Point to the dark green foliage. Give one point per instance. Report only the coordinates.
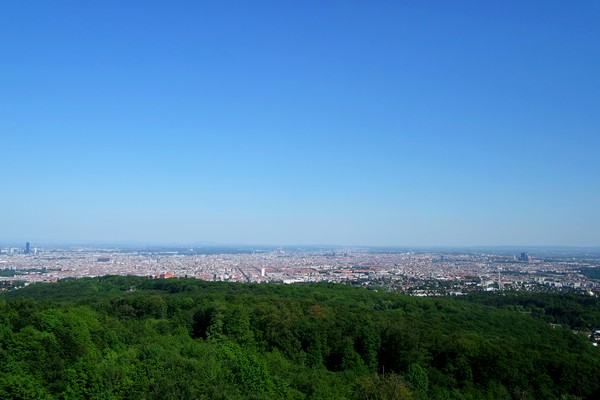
(417, 377)
(575, 311)
(139, 338)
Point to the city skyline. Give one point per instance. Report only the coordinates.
(517, 251)
(379, 124)
(418, 273)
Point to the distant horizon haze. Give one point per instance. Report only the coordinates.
(283, 246)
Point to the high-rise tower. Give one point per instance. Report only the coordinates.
(27, 248)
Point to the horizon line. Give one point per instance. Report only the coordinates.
(141, 243)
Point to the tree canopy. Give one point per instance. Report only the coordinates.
(138, 338)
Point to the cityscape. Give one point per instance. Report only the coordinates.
(418, 272)
(314, 200)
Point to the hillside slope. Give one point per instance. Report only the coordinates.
(138, 338)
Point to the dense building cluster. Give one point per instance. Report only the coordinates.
(421, 273)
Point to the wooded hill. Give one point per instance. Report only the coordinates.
(138, 338)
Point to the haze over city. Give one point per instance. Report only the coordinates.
(339, 123)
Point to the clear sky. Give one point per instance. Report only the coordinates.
(301, 122)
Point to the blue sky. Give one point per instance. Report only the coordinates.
(327, 122)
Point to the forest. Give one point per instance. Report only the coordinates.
(131, 337)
